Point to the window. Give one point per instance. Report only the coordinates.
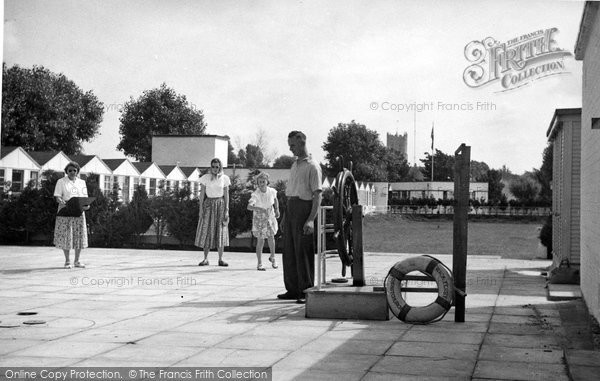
(152, 191)
(17, 180)
(595, 123)
(125, 188)
(1, 176)
(445, 195)
(107, 185)
(33, 178)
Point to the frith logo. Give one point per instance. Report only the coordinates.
(515, 63)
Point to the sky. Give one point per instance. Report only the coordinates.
(277, 66)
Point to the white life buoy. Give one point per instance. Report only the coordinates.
(429, 266)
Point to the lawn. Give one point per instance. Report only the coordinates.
(400, 234)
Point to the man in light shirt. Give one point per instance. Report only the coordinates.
(304, 199)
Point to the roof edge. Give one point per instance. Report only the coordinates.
(590, 10)
(557, 113)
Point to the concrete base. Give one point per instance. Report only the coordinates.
(347, 302)
(563, 291)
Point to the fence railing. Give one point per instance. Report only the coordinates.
(533, 211)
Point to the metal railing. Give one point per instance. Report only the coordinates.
(323, 228)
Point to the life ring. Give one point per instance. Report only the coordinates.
(429, 266)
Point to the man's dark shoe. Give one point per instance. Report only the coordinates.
(287, 296)
(301, 301)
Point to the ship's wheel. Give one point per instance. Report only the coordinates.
(345, 197)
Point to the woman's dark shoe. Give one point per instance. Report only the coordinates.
(223, 263)
(203, 263)
(287, 296)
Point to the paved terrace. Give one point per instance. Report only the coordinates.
(158, 308)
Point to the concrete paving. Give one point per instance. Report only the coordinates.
(159, 309)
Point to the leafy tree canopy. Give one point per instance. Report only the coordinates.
(479, 171)
(443, 166)
(42, 110)
(495, 185)
(544, 175)
(284, 162)
(525, 188)
(158, 111)
(371, 160)
(232, 158)
(252, 157)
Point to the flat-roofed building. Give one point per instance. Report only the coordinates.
(588, 51)
(189, 150)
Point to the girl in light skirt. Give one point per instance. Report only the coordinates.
(265, 207)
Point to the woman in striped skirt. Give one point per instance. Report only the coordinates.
(70, 232)
(212, 231)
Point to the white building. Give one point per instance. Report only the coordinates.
(436, 189)
(565, 134)
(151, 176)
(125, 175)
(93, 165)
(189, 150)
(50, 160)
(174, 176)
(193, 177)
(17, 168)
(588, 51)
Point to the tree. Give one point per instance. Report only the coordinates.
(42, 110)
(283, 162)
(396, 165)
(252, 157)
(359, 145)
(182, 219)
(544, 175)
(479, 171)
(138, 215)
(443, 166)
(525, 189)
(495, 185)
(232, 158)
(158, 111)
(240, 218)
(160, 209)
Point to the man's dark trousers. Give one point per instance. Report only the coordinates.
(298, 249)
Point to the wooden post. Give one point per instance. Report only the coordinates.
(462, 164)
(358, 266)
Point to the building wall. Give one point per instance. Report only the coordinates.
(437, 189)
(398, 143)
(189, 151)
(57, 163)
(17, 164)
(590, 172)
(566, 191)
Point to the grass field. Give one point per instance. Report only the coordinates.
(399, 234)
